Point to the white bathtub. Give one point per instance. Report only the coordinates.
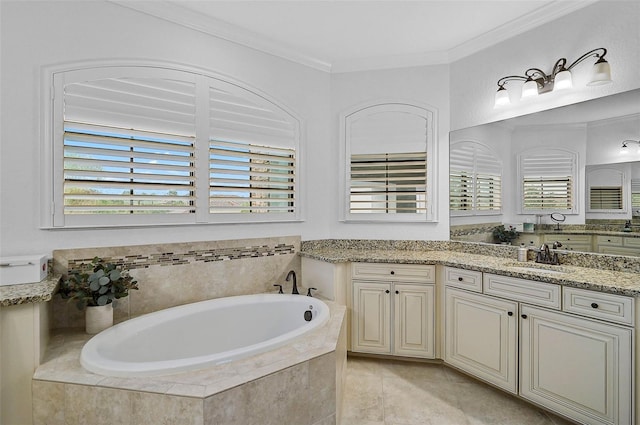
(202, 334)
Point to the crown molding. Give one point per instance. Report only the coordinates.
(517, 26)
(173, 12)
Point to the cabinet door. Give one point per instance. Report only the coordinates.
(370, 320)
(578, 367)
(414, 320)
(481, 336)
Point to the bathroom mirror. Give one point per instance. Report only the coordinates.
(594, 130)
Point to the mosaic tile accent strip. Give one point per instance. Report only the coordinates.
(144, 261)
(472, 229)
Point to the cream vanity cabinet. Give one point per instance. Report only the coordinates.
(574, 354)
(618, 245)
(393, 309)
(570, 242)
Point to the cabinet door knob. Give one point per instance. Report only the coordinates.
(594, 305)
(397, 292)
(524, 316)
(510, 313)
(460, 279)
(392, 272)
(387, 291)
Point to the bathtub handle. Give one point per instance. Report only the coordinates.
(280, 290)
(309, 291)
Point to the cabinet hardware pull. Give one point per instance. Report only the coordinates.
(387, 291)
(524, 316)
(594, 305)
(392, 272)
(510, 313)
(460, 279)
(397, 292)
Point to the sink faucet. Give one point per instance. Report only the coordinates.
(295, 284)
(544, 255)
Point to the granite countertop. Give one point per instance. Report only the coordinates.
(584, 232)
(29, 292)
(617, 282)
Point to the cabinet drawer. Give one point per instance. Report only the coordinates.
(393, 272)
(632, 242)
(467, 279)
(599, 305)
(570, 239)
(527, 291)
(609, 240)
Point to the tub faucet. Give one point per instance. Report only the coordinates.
(295, 285)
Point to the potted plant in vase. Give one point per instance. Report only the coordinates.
(503, 235)
(95, 287)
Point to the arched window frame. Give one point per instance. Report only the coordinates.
(427, 137)
(52, 177)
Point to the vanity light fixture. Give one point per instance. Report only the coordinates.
(537, 81)
(626, 149)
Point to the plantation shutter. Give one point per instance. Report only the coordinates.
(605, 198)
(548, 181)
(475, 180)
(252, 153)
(387, 160)
(128, 146)
(635, 196)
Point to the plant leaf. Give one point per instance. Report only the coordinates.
(102, 300)
(94, 286)
(114, 275)
(104, 280)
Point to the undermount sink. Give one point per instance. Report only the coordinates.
(537, 268)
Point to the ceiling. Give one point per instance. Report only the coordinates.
(344, 35)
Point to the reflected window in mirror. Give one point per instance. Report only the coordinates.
(388, 151)
(547, 178)
(605, 190)
(475, 180)
(635, 197)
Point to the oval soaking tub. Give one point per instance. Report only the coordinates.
(201, 334)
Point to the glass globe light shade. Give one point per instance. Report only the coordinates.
(530, 89)
(502, 97)
(562, 80)
(600, 73)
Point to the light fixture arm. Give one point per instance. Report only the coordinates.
(591, 53)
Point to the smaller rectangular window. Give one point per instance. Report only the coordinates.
(547, 179)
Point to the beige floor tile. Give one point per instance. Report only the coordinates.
(362, 399)
(392, 392)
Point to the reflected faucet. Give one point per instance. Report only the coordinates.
(295, 284)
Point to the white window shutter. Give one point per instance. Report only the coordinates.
(548, 181)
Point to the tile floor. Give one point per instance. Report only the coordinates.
(389, 392)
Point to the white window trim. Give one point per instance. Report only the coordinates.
(431, 114)
(574, 188)
(52, 131)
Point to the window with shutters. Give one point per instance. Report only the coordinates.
(635, 196)
(145, 145)
(605, 190)
(547, 181)
(475, 180)
(388, 156)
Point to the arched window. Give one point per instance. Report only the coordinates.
(388, 151)
(135, 145)
(475, 180)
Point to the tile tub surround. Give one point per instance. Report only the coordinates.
(498, 259)
(299, 384)
(180, 273)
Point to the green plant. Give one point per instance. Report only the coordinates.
(505, 235)
(97, 283)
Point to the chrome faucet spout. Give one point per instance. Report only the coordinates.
(295, 283)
